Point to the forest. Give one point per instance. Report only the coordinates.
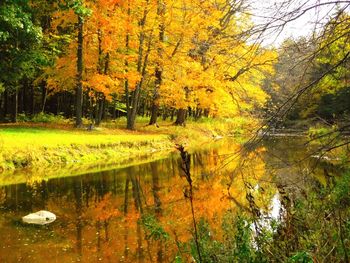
(100, 60)
(181, 131)
(105, 59)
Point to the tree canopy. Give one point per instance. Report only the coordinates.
(122, 57)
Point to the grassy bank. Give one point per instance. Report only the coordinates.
(23, 147)
(30, 145)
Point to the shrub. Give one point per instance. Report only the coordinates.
(153, 229)
(23, 118)
(48, 118)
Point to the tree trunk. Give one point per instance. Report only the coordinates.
(181, 117)
(32, 99)
(44, 97)
(126, 63)
(21, 100)
(190, 112)
(79, 88)
(114, 112)
(198, 113)
(133, 111)
(141, 68)
(1, 107)
(24, 98)
(99, 112)
(6, 98)
(159, 69)
(165, 114)
(172, 115)
(137, 93)
(15, 109)
(154, 112)
(156, 189)
(58, 108)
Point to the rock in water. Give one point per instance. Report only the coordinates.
(39, 218)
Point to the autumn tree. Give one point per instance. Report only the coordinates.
(94, 46)
(209, 67)
(150, 56)
(161, 9)
(144, 19)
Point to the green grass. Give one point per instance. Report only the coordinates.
(32, 145)
(22, 137)
(27, 146)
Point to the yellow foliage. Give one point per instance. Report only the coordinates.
(204, 63)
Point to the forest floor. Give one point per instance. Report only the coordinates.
(33, 145)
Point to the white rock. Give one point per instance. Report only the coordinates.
(39, 218)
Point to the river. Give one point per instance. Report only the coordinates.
(98, 213)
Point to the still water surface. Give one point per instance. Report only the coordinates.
(98, 213)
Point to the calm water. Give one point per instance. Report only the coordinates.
(98, 214)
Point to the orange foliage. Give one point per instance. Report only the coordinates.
(204, 64)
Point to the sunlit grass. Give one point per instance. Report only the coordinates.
(33, 145)
(21, 137)
(38, 146)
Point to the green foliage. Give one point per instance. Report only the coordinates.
(153, 229)
(43, 118)
(301, 257)
(48, 118)
(2, 88)
(335, 105)
(317, 226)
(236, 246)
(209, 247)
(23, 118)
(120, 106)
(328, 98)
(77, 6)
(17, 25)
(322, 134)
(341, 192)
(318, 131)
(318, 222)
(20, 40)
(243, 251)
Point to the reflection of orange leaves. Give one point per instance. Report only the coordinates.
(104, 210)
(260, 150)
(125, 234)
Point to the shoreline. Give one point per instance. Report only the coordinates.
(28, 149)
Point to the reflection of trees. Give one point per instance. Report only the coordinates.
(156, 189)
(136, 192)
(2, 195)
(85, 206)
(78, 195)
(250, 186)
(111, 203)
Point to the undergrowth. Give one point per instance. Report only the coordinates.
(315, 229)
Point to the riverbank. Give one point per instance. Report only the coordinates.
(31, 145)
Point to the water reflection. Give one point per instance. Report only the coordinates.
(98, 214)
